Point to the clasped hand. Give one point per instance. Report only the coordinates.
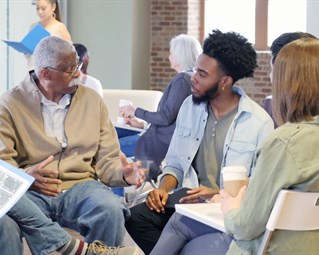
(157, 198)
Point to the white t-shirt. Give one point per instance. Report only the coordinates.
(92, 83)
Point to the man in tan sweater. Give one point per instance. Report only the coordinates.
(59, 132)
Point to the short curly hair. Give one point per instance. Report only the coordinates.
(234, 54)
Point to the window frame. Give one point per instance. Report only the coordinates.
(261, 24)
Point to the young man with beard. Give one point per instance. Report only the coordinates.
(217, 126)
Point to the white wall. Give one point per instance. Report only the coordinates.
(15, 24)
(312, 17)
(109, 29)
(116, 33)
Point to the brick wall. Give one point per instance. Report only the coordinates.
(259, 86)
(172, 17)
(168, 19)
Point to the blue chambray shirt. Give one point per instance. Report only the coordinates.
(250, 126)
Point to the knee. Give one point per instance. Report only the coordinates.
(111, 206)
(11, 228)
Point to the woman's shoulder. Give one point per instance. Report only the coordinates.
(60, 30)
(182, 78)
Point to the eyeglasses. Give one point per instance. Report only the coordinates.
(71, 71)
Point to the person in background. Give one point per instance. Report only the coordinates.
(286, 160)
(153, 143)
(49, 119)
(85, 78)
(51, 19)
(217, 126)
(187, 236)
(275, 47)
(45, 236)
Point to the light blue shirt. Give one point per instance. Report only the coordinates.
(250, 126)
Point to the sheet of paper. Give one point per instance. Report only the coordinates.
(206, 213)
(13, 184)
(30, 41)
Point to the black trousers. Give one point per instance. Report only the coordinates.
(145, 226)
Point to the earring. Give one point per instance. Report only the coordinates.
(53, 15)
(223, 88)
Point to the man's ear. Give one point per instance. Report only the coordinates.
(45, 74)
(227, 81)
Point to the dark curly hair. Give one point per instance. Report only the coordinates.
(284, 39)
(234, 54)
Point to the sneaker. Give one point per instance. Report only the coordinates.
(100, 248)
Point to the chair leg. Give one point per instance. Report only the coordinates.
(264, 243)
(138, 194)
(153, 184)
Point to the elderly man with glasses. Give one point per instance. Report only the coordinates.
(59, 132)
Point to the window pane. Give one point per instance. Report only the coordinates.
(231, 15)
(286, 16)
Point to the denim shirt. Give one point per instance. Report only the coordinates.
(249, 127)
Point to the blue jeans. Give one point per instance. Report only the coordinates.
(185, 236)
(89, 208)
(26, 219)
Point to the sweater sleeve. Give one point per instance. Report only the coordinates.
(108, 164)
(171, 101)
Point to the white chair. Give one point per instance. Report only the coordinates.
(293, 210)
(146, 99)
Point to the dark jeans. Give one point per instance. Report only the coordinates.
(145, 226)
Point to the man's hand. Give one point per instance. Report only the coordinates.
(198, 195)
(44, 182)
(228, 202)
(156, 200)
(133, 173)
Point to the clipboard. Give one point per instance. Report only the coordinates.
(30, 41)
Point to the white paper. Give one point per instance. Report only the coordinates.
(206, 213)
(13, 184)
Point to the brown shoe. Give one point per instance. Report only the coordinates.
(100, 248)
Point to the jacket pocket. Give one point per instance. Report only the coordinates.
(240, 154)
(183, 131)
(241, 147)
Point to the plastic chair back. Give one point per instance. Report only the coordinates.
(293, 210)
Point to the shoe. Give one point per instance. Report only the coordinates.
(100, 248)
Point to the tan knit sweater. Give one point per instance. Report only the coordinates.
(93, 148)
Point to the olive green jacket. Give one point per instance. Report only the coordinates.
(288, 159)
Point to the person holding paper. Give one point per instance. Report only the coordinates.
(49, 116)
(274, 168)
(50, 18)
(217, 126)
(153, 143)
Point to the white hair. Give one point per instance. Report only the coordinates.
(185, 50)
(49, 51)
